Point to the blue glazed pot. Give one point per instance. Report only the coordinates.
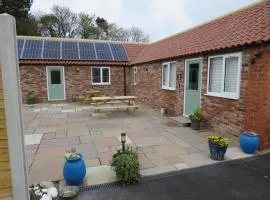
(217, 152)
(249, 142)
(74, 171)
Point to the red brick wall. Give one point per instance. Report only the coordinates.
(222, 115)
(148, 87)
(257, 103)
(77, 79)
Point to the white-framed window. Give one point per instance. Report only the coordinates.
(135, 70)
(224, 72)
(169, 76)
(101, 75)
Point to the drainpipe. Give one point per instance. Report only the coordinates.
(125, 87)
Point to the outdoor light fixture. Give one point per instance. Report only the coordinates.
(123, 141)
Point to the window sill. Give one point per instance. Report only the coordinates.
(168, 88)
(101, 83)
(235, 97)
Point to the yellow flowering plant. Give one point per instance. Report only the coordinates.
(218, 140)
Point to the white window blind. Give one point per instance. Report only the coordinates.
(224, 75)
(215, 74)
(169, 76)
(231, 74)
(172, 75)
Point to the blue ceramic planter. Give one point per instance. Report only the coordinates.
(249, 142)
(74, 171)
(217, 152)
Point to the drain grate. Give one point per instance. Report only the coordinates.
(100, 186)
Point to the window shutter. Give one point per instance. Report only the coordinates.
(231, 74)
(215, 74)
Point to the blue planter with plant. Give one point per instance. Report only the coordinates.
(74, 169)
(218, 147)
(249, 142)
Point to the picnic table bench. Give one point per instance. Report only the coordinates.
(87, 97)
(101, 102)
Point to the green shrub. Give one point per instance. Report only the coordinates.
(126, 165)
(196, 115)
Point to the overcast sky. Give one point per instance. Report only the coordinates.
(158, 18)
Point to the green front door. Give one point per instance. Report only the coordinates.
(192, 86)
(56, 83)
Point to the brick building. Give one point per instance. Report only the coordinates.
(222, 66)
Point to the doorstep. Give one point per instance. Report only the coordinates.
(181, 121)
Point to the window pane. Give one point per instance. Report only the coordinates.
(165, 75)
(231, 74)
(215, 74)
(105, 74)
(96, 75)
(55, 77)
(193, 76)
(172, 75)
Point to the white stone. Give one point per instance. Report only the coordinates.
(37, 110)
(32, 139)
(46, 197)
(53, 192)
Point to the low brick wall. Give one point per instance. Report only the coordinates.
(77, 80)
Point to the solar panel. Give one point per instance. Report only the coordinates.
(32, 49)
(118, 52)
(103, 51)
(19, 47)
(87, 51)
(52, 49)
(70, 50)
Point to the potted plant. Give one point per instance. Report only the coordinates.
(31, 97)
(196, 118)
(217, 146)
(126, 165)
(74, 169)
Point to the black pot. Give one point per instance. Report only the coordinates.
(195, 124)
(217, 152)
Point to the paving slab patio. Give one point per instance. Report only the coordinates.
(52, 129)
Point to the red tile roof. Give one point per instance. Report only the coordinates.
(134, 49)
(246, 26)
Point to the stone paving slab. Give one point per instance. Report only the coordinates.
(99, 175)
(162, 146)
(32, 139)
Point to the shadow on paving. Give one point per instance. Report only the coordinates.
(247, 179)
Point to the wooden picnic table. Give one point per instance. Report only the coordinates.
(99, 102)
(88, 95)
